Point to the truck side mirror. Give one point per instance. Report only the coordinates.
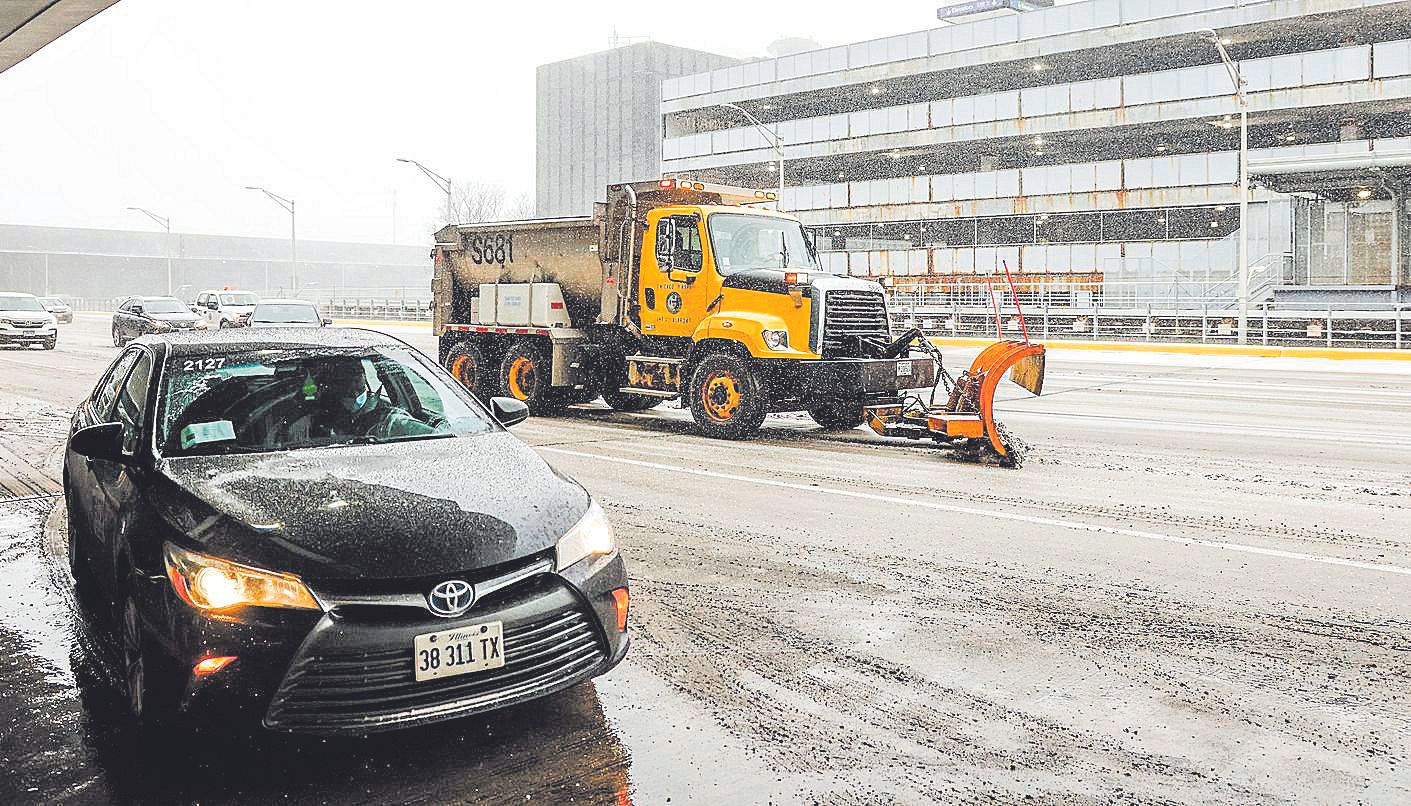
(666, 243)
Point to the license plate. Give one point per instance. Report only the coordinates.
(903, 368)
(473, 648)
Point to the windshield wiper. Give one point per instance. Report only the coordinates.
(783, 250)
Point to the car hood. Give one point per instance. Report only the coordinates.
(25, 316)
(405, 510)
(174, 317)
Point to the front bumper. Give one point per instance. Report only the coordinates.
(9, 334)
(872, 380)
(350, 670)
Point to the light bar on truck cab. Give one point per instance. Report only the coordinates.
(729, 194)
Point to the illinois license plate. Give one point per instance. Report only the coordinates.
(903, 369)
(473, 648)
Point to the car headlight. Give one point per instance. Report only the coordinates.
(591, 535)
(776, 339)
(199, 324)
(212, 584)
(159, 325)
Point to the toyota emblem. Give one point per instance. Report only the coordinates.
(451, 598)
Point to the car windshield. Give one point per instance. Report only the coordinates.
(51, 301)
(163, 306)
(290, 398)
(742, 242)
(244, 298)
(285, 313)
(20, 304)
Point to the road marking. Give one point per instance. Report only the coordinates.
(1038, 520)
(1314, 432)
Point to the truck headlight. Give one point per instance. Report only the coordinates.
(212, 584)
(776, 339)
(591, 535)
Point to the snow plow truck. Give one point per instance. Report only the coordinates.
(686, 290)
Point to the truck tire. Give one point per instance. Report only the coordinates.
(727, 397)
(837, 415)
(627, 401)
(467, 363)
(525, 375)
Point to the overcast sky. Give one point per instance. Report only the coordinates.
(177, 105)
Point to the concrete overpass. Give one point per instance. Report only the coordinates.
(28, 25)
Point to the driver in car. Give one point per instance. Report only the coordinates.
(345, 406)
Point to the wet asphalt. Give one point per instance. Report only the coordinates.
(1192, 592)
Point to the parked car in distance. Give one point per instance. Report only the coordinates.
(266, 520)
(286, 313)
(24, 321)
(61, 310)
(139, 316)
(225, 308)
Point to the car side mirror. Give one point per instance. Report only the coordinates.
(665, 243)
(103, 441)
(327, 322)
(509, 411)
(213, 305)
(137, 310)
(195, 308)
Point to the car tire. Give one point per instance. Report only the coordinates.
(225, 324)
(727, 397)
(152, 691)
(838, 415)
(468, 364)
(525, 375)
(117, 339)
(628, 401)
(84, 583)
(51, 343)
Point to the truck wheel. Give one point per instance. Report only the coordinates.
(468, 364)
(727, 397)
(627, 401)
(837, 415)
(525, 375)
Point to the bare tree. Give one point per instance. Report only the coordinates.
(519, 208)
(472, 202)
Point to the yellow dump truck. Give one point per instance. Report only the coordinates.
(671, 289)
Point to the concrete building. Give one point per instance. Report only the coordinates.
(1092, 147)
(598, 121)
(98, 264)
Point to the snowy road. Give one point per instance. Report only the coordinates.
(1198, 588)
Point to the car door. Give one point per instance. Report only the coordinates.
(674, 291)
(120, 483)
(94, 475)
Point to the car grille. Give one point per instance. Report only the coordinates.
(27, 325)
(852, 313)
(353, 692)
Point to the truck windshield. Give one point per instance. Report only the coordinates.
(742, 242)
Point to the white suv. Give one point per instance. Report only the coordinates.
(24, 321)
(225, 308)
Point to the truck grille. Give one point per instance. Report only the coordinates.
(357, 692)
(852, 313)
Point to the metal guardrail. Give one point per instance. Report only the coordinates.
(1378, 329)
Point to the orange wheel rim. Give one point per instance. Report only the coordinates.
(720, 396)
(522, 378)
(458, 364)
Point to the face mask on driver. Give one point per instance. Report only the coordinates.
(356, 403)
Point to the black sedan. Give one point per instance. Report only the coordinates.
(138, 316)
(323, 527)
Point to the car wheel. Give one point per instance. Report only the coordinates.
(151, 692)
(727, 397)
(837, 415)
(83, 580)
(525, 375)
(627, 401)
(51, 343)
(469, 365)
(117, 338)
(225, 324)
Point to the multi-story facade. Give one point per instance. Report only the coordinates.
(598, 121)
(1091, 147)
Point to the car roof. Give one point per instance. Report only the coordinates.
(150, 299)
(287, 302)
(15, 294)
(269, 338)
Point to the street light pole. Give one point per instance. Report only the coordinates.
(1243, 287)
(774, 140)
(166, 224)
(441, 182)
(287, 204)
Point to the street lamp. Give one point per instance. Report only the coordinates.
(774, 140)
(166, 224)
(441, 182)
(287, 204)
(1238, 80)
